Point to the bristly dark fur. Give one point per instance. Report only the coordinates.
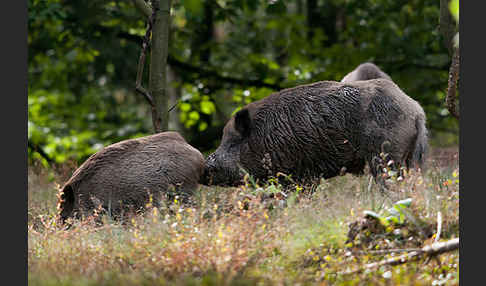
(122, 176)
(315, 130)
(365, 71)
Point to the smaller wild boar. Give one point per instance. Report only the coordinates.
(365, 71)
(122, 176)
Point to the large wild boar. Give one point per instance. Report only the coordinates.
(365, 71)
(123, 176)
(319, 130)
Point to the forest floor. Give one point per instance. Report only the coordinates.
(257, 235)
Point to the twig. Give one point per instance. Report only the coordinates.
(138, 86)
(439, 226)
(200, 72)
(370, 183)
(141, 61)
(429, 250)
(196, 71)
(386, 251)
(38, 149)
(173, 106)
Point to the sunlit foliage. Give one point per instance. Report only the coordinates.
(223, 54)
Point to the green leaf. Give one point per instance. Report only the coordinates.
(203, 126)
(393, 219)
(189, 123)
(236, 110)
(237, 98)
(454, 8)
(273, 65)
(183, 117)
(404, 203)
(396, 211)
(194, 7)
(272, 189)
(207, 107)
(185, 107)
(194, 115)
(371, 214)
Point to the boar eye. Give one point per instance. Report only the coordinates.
(243, 122)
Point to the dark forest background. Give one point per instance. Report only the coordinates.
(223, 54)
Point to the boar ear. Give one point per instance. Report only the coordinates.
(243, 122)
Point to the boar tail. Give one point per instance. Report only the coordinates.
(65, 203)
(421, 143)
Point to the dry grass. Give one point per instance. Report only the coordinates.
(239, 236)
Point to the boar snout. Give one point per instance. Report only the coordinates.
(222, 170)
(209, 171)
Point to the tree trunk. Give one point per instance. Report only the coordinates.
(447, 27)
(452, 85)
(158, 65)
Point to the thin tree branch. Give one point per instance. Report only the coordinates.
(138, 84)
(141, 62)
(145, 93)
(38, 149)
(209, 73)
(143, 7)
(439, 227)
(386, 251)
(200, 72)
(173, 106)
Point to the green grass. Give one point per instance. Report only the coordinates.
(234, 237)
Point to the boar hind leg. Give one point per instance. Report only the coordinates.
(381, 161)
(66, 203)
(356, 167)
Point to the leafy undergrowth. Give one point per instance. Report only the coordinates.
(256, 235)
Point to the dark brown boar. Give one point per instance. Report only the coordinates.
(365, 71)
(319, 130)
(123, 176)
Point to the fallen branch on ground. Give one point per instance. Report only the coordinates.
(386, 251)
(429, 250)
